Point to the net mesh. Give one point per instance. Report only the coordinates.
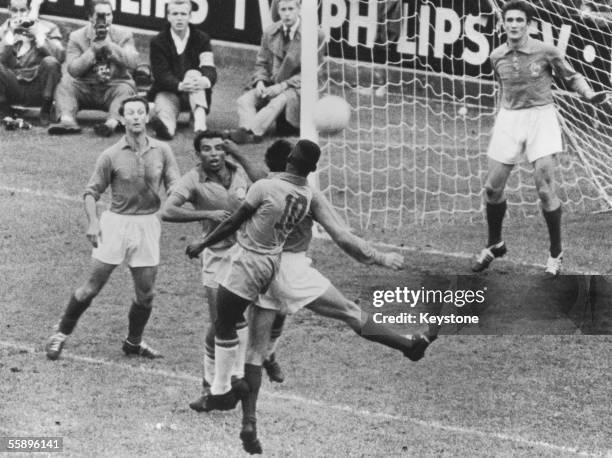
(423, 100)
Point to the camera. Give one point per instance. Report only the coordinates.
(101, 27)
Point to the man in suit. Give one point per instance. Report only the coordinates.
(31, 56)
(99, 59)
(275, 85)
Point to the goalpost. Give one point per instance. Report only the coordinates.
(423, 103)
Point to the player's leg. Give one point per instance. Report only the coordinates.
(77, 304)
(333, 304)
(165, 114)
(551, 209)
(261, 321)
(270, 364)
(140, 312)
(495, 211)
(543, 142)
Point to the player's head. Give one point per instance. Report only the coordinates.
(303, 158)
(134, 112)
(210, 150)
(18, 10)
(516, 16)
(289, 11)
(93, 8)
(178, 13)
(277, 154)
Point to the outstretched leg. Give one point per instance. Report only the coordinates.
(333, 304)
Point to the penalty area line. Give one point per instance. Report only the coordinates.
(428, 424)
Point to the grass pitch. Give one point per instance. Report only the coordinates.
(473, 395)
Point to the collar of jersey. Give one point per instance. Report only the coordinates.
(527, 48)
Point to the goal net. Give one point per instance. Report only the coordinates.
(423, 99)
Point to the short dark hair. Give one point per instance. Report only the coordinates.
(134, 98)
(277, 154)
(90, 6)
(205, 134)
(520, 5)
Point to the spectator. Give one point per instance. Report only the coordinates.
(99, 57)
(275, 84)
(31, 53)
(183, 70)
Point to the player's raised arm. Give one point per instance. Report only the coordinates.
(223, 230)
(354, 246)
(252, 169)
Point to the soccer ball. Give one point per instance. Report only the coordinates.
(331, 114)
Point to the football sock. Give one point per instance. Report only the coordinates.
(377, 332)
(495, 217)
(225, 355)
(243, 336)
(553, 221)
(252, 375)
(73, 312)
(137, 320)
(277, 329)
(209, 361)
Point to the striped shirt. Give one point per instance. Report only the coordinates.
(526, 74)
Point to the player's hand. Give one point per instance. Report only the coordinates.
(194, 250)
(599, 97)
(260, 87)
(393, 261)
(231, 148)
(94, 234)
(218, 215)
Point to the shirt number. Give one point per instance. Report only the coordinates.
(295, 210)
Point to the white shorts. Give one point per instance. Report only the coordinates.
(246, 273)
(134, 238)
(296, 284)
(534, 131)
(211, 263)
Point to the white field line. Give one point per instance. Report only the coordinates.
(319, 404)
(411, 249)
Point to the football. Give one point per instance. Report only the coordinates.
(331, 114)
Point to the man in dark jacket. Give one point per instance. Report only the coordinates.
(184, 72)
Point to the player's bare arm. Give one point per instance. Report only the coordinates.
(93, 232)
(222, 231)
(253, 170)
(356, 247)
(174, 211)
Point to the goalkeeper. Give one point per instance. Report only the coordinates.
(527, 123)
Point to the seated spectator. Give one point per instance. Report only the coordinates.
(31, 53)
(274, 92)
(100, 57)
(183, 70)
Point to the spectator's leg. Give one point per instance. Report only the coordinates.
(69, 94)
(114, 95)
(49, 75)
(199, 107)
(247, 108)
(268, 114)
(10, 91)
(165, 114)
